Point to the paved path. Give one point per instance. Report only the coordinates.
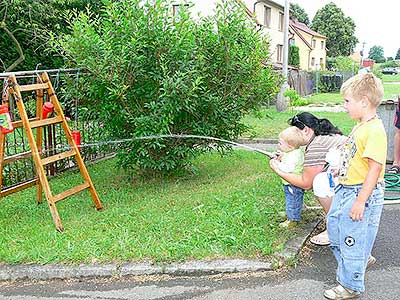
(306, 281)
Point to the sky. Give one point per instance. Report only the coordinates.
(377, 22)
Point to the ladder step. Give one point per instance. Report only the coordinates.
(33, 87)
(70, 192)
(19, 123)
(18, 187)
(15, 157)
(59, 156)
(44, 122)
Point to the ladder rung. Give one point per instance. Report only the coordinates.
(72, 191)
(44, 122)
(19, 123)
(33, 87)
(15, 157)
(18, 187)
(59, 156)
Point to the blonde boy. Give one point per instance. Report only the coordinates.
(355, 213)
(291, 161)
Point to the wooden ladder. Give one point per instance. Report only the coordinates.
(35, 143)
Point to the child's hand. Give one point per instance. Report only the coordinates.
(357, 211)
(273, 163)
(278, 155)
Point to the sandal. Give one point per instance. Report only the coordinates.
(394, 170)
(321, 239)
(340, 292)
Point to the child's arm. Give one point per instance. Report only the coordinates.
(374, 170)
(304, 180)
(289, 164)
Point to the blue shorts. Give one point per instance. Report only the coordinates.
(294, 201)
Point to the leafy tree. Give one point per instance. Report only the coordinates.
(155, 73)
(339, 30)
(294, 57)
(24, 31)
(376, 53)
(298, 13)
(398, 54)
(342, 64)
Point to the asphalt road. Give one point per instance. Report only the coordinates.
(314, 272)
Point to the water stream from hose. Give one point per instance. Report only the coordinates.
(150, 137)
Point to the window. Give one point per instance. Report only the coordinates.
(177, 7)
(314, 42)
(313, 61)
(281, 21)
(322, 45)
(292, 42)
(279, 54)
(321, 62)
(267, 16)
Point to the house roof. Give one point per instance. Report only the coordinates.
(276, 3)
(295, 31)
(303, 27)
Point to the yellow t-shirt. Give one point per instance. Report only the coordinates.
(368, 140)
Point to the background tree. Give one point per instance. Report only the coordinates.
(161, 74)
(398, 54)
(25, 27)
(339, 30)
(377, 54)
(298, 13)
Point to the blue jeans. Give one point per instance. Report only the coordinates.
(294, 201)
(352, 241)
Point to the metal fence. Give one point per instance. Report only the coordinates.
(20, 166)
(307, 83)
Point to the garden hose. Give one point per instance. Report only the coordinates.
(392, 185)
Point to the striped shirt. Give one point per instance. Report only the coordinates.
(316, 150)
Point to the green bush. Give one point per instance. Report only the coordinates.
(390, 64)
(155, 73)
(342, 64)
(295, 99)
(294, 57)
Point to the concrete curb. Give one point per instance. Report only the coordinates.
(47, 272)
(193, 268)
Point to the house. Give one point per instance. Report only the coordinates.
(312, 46)
(269, 18)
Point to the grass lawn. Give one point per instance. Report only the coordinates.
(272, 122)
(392, 91)
(391, 78)
(229, 208)
(329, 99)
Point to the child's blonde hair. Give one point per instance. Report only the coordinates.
(367, 85)
(292, 137)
